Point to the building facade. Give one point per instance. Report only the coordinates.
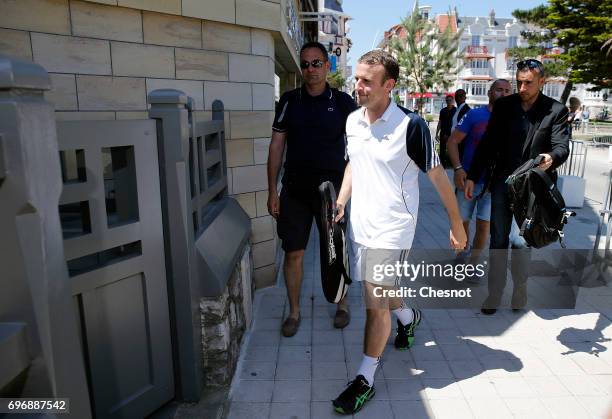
(333, 33)
(83, 91)
(483, 46)
(105, 56)
(483, 57)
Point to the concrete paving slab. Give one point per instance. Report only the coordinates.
(291, 391)
(295, 410)
(241, 410)
(530, 364)
(293, 371)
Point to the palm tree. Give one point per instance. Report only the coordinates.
(336, 79)
(427, 56)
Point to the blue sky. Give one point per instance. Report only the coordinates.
(372, 18)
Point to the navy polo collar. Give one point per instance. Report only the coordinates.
(327, 93)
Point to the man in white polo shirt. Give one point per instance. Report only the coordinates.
(387, 146)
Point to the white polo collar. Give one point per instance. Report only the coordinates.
(384, 117)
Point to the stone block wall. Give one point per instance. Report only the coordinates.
(105, 56)
(224, 321)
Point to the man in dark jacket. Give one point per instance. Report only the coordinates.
(462, 108)
(523, 126)
(443, 130)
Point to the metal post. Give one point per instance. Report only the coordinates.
(218, 115)
(606, 218)
(36, 295)
(171, 110)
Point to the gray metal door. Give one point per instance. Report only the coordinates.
(110, 210)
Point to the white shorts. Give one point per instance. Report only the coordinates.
(365, 263)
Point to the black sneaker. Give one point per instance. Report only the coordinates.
(354, 397)
(405, 334)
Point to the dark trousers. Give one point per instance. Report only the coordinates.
(501, 223)
(443, 154)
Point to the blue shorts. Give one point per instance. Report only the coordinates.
(482, 205)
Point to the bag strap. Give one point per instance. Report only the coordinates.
(545, 178)
(347, 279)
(550, 186)
(529, 215)
(340, 258)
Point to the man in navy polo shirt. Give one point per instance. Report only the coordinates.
(310, 121)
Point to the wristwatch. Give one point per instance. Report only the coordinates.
(458, 168)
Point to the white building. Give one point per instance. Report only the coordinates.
(483, 46)
(483, 58)
(597, 102)
(333, 30)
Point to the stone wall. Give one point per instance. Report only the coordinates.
(105, 56)
(224, 321)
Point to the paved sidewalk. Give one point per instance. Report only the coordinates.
(538, 364)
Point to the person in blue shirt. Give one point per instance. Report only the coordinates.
(461, 147)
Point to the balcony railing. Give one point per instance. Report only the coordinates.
(477, 96)
(476, 50)
(469, 71)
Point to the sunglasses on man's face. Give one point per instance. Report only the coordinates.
(530, 63)
(315, 63)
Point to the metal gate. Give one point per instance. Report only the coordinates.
(110, 211)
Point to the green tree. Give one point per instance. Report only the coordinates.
(554, 68)
(336, 79)
(427, 57)
(582, 29)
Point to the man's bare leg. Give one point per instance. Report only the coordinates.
(395, 303)
(377, 330)
(378, 327)
(466, 227)
(480, 238)
(378, 322)
(293, 270)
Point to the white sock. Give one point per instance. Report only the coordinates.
(404, 315)
(368, 368)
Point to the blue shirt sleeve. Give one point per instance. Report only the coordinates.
(465, 125)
